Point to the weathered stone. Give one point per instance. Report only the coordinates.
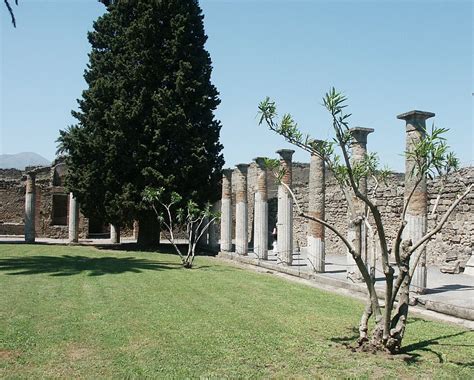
(73, 219)
(451, 267)
(30, 208)
(357, 232)
(114, 234)
(316, 233)
(261, 211)
(241, 218)
(285, 209)
(417, 210)
(226, 211)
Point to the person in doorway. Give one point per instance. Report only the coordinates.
(274, 243)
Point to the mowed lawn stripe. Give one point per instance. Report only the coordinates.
(84, 312)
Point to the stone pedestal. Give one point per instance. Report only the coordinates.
(416, 217)
(261, 211)
(357, 233)
(285, 210)
(469, 268)
(73, 225)
(30, 202)
(241, 211)
(317, 199)
(226, 211)
(114, 234)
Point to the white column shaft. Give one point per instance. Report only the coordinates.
(285, 226)
(241, 233)
(261, 227)
(226, 225)
(73, 219)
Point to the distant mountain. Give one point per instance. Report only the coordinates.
(21, 160)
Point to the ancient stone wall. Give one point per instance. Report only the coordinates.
(457, 237)
(12, 204)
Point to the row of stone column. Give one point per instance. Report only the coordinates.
(73, 224)
(357, 233)
(285, 211)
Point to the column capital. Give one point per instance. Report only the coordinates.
(260, 161)
(359, 134)
(286, 154)
(242, 167)
(415, 120)
(227, 172)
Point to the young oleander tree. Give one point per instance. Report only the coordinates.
(147, 115)
(431, 157)
(195, 221)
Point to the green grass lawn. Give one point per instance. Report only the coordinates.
(83, 312)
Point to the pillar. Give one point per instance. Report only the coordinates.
(285, 209)
(416, 216)
(114, 234)
(226, 211)
(73, 219)
(30, 201)
(317, 199)
(261, 211)
(357, 234)
(212, 231)
(135, 229)
(241, 211)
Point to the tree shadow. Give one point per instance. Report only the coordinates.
(68, 265)
(449, 288)
(161, 248)
(410, 353)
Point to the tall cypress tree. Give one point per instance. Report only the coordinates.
(146, 118)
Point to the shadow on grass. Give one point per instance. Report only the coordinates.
(68, 265)
(409, 353)
(161, 248)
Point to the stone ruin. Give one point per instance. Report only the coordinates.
(253, 204)
(34, 203)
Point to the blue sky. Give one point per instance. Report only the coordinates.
(388, 57)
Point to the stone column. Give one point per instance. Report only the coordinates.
(135, 229)
(261, 211)
(357, 234)
(241, 211)
(416, 216)
(226, 211)
(212, 231)
(285, 209)
(316, 208)
(114, 234)
(73, 219)
(30, 202)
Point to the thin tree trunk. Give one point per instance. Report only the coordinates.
(148, 230)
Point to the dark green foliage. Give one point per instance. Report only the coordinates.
(147, 117)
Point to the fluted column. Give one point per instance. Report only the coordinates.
(73, 225)
(241, 211)
(416, 216)
(357, 233)
(114, 234)
(261, 211)
(30, 205)
(316, 208)
(226, 211)
(285, 209)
